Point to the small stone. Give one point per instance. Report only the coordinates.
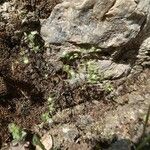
(70, 133)
(47, 141)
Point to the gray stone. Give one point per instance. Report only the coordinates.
(121, 145)
(144, 53)
(106, 23)
(114, 70)
(108, 26)
(70, 133)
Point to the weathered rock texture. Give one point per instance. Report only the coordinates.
(109, 38)
(116, 27)
(106, 121)
(106, 23)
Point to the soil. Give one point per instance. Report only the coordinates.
(22, 86)
(25, 88)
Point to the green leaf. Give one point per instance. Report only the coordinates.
(36, 141)
(17, 133)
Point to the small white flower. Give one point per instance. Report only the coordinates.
(25, 60)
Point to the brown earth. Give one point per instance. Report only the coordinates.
(21, 99)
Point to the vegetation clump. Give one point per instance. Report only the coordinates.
(17, 132)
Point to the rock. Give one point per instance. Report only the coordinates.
(19, 146)
(113, 71)
(105, 23)
(82, 146)
(70, 133)
(144, 53)
(47, 141)
(5, 8)
(94, 123)
(121, 145)
(112, 28)
(64, 135)
(134, 96)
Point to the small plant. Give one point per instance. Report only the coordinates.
(90, 49)
(47, 116)
(70, 72)
(68, 56)
(25, 60)
(33, 41)
(93, 73)
(51, 104)
(108, 87)
(88, 71)
(17, 132)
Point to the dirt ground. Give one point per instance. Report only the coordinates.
(21, 86)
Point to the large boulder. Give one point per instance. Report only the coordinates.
(105, 23)
(116, 30)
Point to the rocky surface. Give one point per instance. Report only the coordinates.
(110, 23)
(106, 122)
(113, 27)
(104, 38)
(144, 53)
